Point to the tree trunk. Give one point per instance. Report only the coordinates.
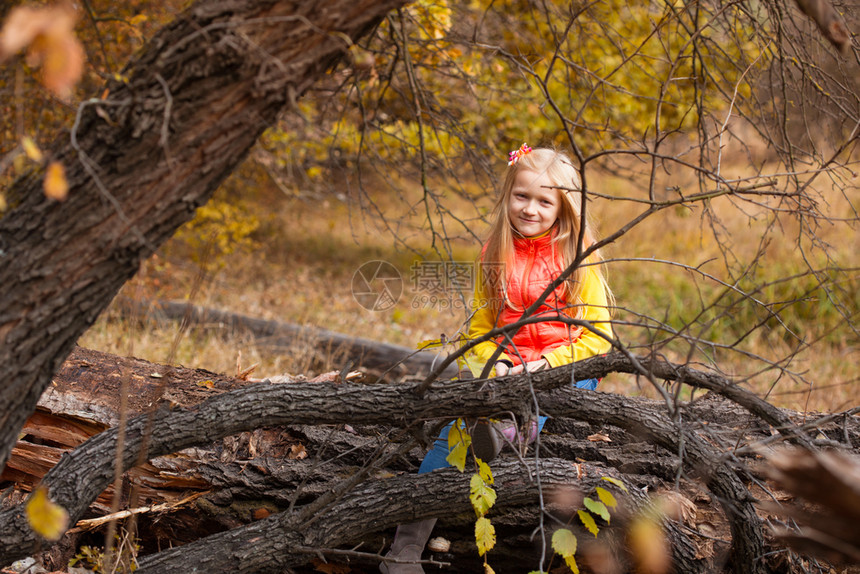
(254, 472)
(385, 503)
(380, 360)
(139, 163)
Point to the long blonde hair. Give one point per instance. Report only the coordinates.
(499, 249)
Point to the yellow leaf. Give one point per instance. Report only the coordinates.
(47, 519)
(31, 149)
(55, 184)
(606, 497)
(597, 508)
(648, 545)
(564, 542)
(19, 162)
(62, 59)
(458, 445)
(571, 563)
(485, 535)
(488, 570)
(485, 471)
(457, 436)
(615, 481)
(588, 522)
(482, 496)
(206, 384)
(457, 456)
(429, 344)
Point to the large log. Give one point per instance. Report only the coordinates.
(262, 471)
(257, 473)
(382, 360)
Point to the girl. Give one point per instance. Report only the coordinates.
(533, 238)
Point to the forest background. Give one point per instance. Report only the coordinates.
(717, 145)
(396, 158)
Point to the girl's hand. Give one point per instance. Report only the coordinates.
(502, 369)
(532, 367)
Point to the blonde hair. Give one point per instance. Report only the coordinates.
(500, 242)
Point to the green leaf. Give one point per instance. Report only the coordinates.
(564, 542)
(481, 495)
(616, 482)
(597, 508)
(485, 535)
(485, 472)
(588, 522)
(606, 497)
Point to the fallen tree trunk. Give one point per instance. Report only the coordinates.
(382, 360)
(253, 472)
(385, 503)
(634, 426)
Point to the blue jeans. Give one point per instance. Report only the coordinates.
(438, 453)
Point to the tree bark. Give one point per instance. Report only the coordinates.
(80, 476)
(385, 503)
(139, 163)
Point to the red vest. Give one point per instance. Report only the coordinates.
(536, 263)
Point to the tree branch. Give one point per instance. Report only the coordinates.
(270, 545)
(83, 474)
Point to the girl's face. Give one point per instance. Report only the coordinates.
(533, 207)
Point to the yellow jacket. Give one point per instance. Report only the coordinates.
(535, 265)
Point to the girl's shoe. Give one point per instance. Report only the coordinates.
(486, 442)
(488, 437)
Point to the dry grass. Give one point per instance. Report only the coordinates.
(308, 250)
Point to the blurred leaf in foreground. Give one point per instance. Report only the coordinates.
(48, 519)
(48, 34)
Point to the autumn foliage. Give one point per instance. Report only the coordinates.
(717, 144)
